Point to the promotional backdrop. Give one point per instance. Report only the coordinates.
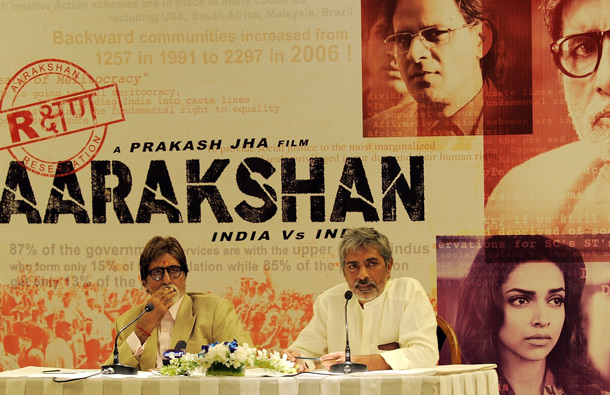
(235, 126)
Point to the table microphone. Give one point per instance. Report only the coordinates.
(348, 366)
(116, 367)
(177, 352)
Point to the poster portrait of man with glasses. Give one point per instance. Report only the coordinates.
(195, 318)
(451, 58)
(567, 190)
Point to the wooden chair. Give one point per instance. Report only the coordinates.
(444, 331)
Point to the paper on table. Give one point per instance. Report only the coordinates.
(38, 371)
(259, 372)
(438, 370)
(410, 372)
(321, 371)
(450, 369)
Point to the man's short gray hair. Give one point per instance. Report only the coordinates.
(356, 238)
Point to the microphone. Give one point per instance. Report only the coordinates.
(116, 367)
(348, 366)
(177, 352)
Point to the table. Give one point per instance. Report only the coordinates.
(442, 380)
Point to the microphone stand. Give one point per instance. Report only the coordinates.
(348, 366)
(116, 367)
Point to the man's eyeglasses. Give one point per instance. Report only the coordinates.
(430, 37)
(158, 273)
(578, 55)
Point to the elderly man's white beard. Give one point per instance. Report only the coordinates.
(584, 116)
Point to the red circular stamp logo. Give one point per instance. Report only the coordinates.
(54, 117)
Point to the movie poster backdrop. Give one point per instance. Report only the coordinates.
(235, 126)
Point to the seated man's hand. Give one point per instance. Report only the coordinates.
(333, 358)
(299, 364)
(163, 298)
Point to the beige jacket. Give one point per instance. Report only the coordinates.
(202, 319)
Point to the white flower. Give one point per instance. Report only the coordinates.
(243, 355)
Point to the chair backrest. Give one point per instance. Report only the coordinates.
(444, 331)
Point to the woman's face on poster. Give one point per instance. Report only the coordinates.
(533, 298)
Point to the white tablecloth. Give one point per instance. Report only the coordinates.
(443, 380)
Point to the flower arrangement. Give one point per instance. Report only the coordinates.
(228, 358)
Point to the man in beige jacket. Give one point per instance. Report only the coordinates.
(195, 318)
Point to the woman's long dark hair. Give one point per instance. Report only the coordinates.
(481, 312)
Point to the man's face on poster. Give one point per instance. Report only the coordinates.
(380, 59)
(588, 98)
(448, 75)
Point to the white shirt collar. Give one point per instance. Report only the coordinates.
(173, 310)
